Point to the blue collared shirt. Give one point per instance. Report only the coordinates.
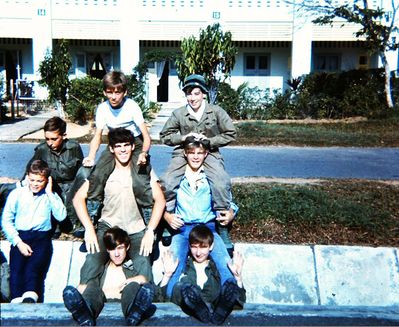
(194, 202)
(27, 211)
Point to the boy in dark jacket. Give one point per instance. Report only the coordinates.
(120, 280)
(198, 291)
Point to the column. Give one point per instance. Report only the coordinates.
(129, 35)
(42, 32)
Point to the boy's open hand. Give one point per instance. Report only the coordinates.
(169, 263)
(147, 242)
(91, 241)
(25, 249)
(49, 186)
(236, 264)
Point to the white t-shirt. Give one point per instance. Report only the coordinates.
(129, 116)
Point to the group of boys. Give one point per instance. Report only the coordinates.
(120, 203)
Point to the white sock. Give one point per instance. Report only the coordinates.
(31, 294)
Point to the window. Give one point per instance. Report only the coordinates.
(2, 60)
(172, 68)
(256, 64)
(327, 62)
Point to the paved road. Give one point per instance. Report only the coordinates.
(283, 162)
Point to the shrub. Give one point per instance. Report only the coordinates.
(83, 97)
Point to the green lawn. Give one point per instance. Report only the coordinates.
(372, 133)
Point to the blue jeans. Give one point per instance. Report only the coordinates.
(180, 249)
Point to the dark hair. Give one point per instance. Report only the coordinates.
(120, 135)
(115, 236)
(115, 79)
(55, 124)
(39, 167)
(201, 235)
(191, 142)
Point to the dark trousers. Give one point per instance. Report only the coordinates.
(29, 273)
(95, 298)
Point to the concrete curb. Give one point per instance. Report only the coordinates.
(168, 314)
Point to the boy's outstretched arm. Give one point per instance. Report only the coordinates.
(94, 145)
(79, 203)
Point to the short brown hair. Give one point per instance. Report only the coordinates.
(55, 124)
(115, 79)
(201, 235)
(120, 135)
(115, 236)
(39, 167)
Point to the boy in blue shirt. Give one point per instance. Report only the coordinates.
(26, 223)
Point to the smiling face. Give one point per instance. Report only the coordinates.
(194, 98)
(118, 255)
(195, 157)
(115, 96)
(122, 152)
(54, 140)
(37, 182)
(200, 252)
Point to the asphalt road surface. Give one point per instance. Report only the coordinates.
(275, 161)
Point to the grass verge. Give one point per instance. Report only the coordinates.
(344, 212)
(370, 133)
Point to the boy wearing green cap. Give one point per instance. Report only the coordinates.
(202, 120)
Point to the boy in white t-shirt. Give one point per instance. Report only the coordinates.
(118, 111)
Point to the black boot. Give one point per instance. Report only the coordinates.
(191, 298)
(76, 305)
(227, 299)
(141, 306)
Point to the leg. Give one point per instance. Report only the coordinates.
(219, 181)
(192, 302)
(179, 248)
(17, 272)
(94, 298)
(140, 262)
(94, 263)
(39, 262)
(170, 180)
(228, 297)
(140, 306)
(4, 279)
(76, 305)
(221, 257)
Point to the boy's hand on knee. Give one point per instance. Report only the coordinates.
(142, 159)
(25, 249)
(224, 217)
(173, 220)
(88, 162)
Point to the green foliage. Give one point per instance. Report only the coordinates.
(212, 56)
(83, 97)
(54, 72)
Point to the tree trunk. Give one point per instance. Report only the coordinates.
(388, 94)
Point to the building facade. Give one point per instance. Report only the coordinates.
(275, 43)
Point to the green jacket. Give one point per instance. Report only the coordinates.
(63, 165)
(215, 124)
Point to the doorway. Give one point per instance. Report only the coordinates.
(163, 87)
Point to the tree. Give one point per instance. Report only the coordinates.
(54, 72)
(377, 26)
(212, 55)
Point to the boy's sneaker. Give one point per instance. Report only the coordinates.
(191, 296)
(142, 306)
(227, 300)
(76, 305)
